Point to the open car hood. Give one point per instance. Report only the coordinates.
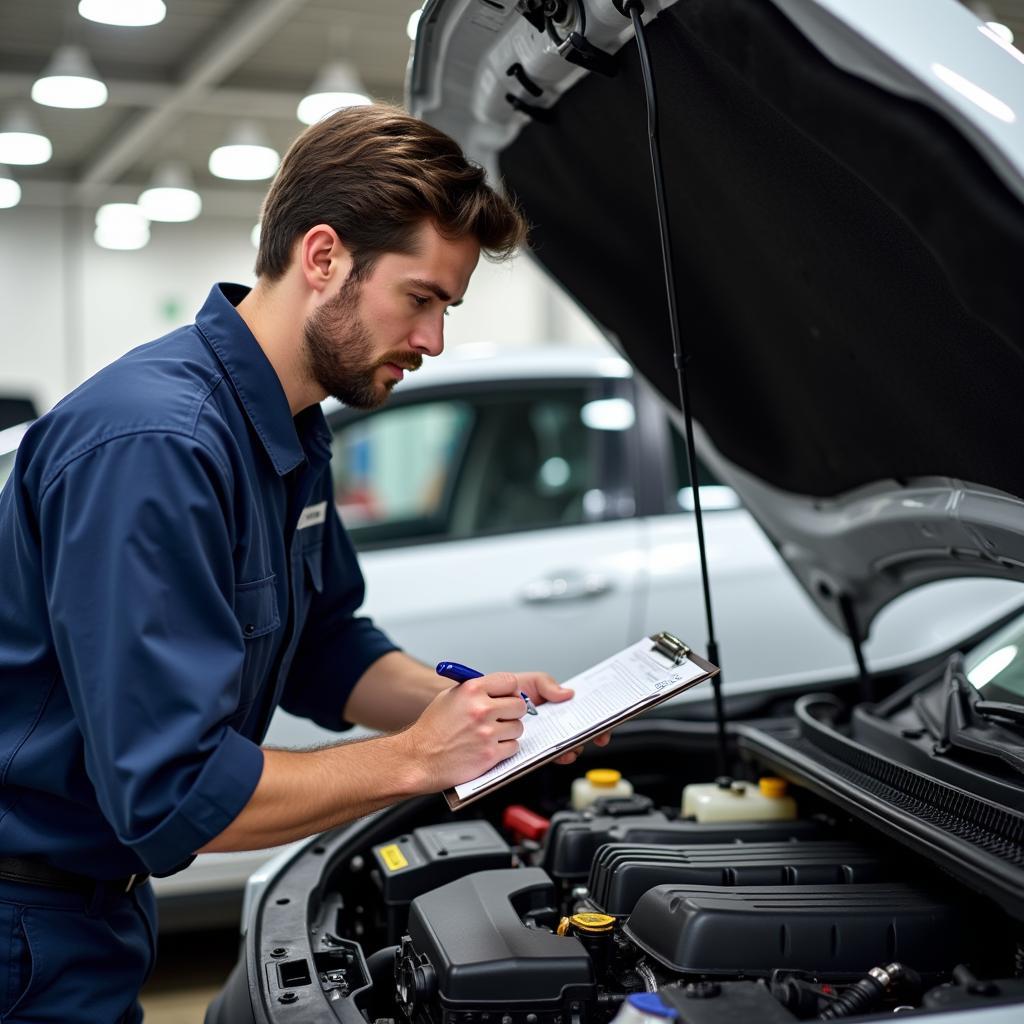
(846, 199)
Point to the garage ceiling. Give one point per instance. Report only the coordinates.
(176, 88)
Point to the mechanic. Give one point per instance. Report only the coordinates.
(173, 571)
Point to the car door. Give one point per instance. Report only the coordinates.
(493, 521)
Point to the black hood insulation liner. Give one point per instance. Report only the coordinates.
(847, 264)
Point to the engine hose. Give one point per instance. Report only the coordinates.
(647, 977)
(866, 993)
(381, 966)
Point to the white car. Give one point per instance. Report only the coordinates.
(531, 509)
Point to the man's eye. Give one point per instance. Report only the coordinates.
(420, 300)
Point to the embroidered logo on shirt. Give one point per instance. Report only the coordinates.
(313, 515)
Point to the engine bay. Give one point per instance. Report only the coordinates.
(532, 912)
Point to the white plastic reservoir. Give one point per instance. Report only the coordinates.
(596, 783)
(728, 800)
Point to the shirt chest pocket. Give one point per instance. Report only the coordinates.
(259, 620)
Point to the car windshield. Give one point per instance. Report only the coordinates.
(996, 667)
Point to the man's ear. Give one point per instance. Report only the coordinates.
(323, 257)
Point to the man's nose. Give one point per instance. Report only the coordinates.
(428, 338)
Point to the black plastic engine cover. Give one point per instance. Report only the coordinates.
(484, 956)
(428, 857)
(827, 929)
(574, 836)
(623, 872)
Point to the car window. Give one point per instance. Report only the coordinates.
(393, 471)
(467, 467)
(714, 496)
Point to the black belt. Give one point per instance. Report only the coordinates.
(34, 872)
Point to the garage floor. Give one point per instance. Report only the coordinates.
(189, 972)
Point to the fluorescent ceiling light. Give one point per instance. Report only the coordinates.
(128, 13)
(170, 197)
(1003, 31)
(338, 85)
(10, 190)
(121, 226)
(21, 141)
(70, 80)
(245, 156)
(413, 24)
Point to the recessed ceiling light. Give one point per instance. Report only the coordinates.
(171, 197)
(10, 190)
(413, 24)
(127, 13)
(21, 141)
(70, 80)
(121, 226)
(338, 85)
(245, 156)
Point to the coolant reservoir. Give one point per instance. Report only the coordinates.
(596, 783)
(726, 800)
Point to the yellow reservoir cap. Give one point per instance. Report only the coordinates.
(771, 786)
(593, 924)
(603, 777)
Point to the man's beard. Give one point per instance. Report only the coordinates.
(339, 352)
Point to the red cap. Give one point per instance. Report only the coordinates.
(524, 823)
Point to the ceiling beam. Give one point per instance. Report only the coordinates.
(236, 41)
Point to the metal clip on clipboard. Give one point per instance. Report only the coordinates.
(671, 646)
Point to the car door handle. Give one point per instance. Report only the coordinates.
(566, 587)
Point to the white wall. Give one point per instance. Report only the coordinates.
(68, 307)
(33, 284)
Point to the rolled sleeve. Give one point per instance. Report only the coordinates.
(336, 646)
(218, 794)
(141, 607)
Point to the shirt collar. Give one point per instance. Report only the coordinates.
(288, 442)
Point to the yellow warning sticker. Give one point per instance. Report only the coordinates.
(392, 857)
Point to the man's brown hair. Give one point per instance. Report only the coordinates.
(374, 174)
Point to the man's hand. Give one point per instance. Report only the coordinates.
(542, 688)
(462, 732)
(467, 729)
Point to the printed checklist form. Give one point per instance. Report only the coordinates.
(613, 691)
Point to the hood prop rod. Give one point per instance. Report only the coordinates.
(864, 679)
(634, 9)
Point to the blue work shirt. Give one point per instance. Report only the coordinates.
(172, 570)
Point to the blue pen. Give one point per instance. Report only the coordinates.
(461, 673)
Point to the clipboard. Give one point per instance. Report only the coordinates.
(665, 644)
